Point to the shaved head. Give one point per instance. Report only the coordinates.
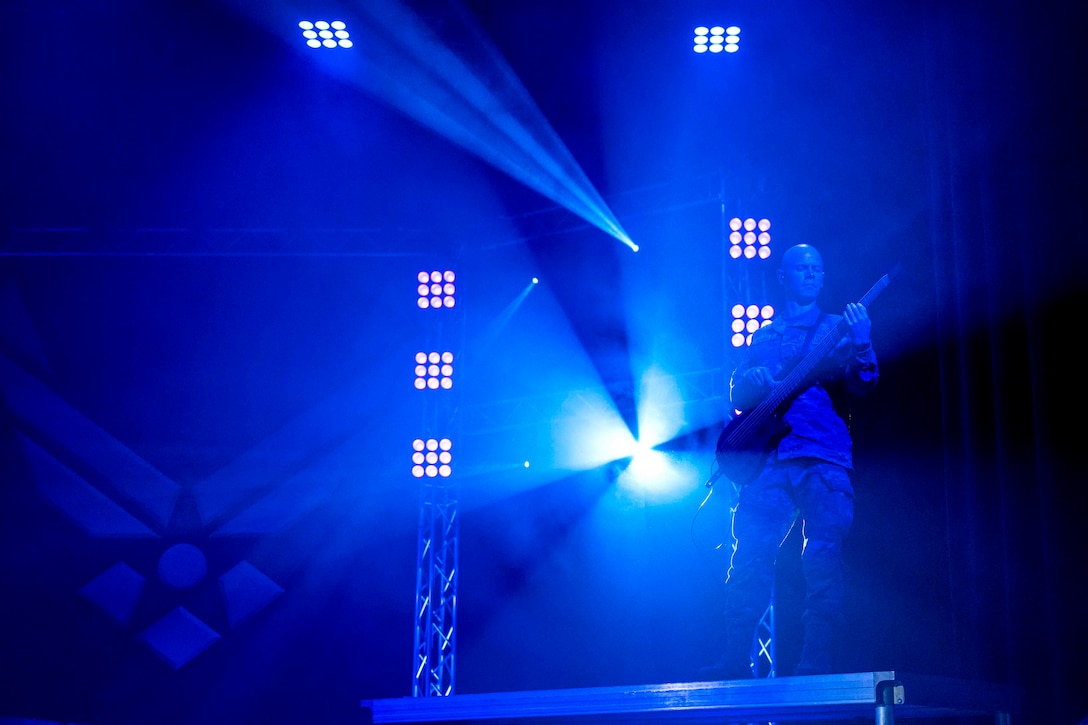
(797, 252)
(801, 274)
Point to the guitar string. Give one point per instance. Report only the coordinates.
(763, 411)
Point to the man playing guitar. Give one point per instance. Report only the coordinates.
(792, 460)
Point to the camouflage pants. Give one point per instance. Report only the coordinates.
(820, 496)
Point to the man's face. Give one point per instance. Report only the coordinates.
(802, 274)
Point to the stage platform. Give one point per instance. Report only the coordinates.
(878, 697)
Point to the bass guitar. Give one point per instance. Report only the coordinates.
(747, 440)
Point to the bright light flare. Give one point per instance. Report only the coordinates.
(589, 431)
(657, 474)
(598, 435)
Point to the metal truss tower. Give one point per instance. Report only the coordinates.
(434, 660)
(743, 284)
(436, 590)
(764, 657)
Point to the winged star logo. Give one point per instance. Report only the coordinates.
(111, 492)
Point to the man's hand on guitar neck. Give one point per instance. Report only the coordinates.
(858, 324)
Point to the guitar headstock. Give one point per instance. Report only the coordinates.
(881, 284)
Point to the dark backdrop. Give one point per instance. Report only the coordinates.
(203, 307)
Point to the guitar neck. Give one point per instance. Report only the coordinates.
(789, 385)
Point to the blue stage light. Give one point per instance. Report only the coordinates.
(716, 39)
(434, 370)
(436, 290)
(745, 241)
(431, 457)
(746, 320)
(323, 34)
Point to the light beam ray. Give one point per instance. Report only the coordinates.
(470, 96)
(498, 119)
(497, 325)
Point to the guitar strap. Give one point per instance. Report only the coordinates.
(789, 365)
(807, 343)
(848, 415)
(812, 333)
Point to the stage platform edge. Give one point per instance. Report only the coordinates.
(881, 696)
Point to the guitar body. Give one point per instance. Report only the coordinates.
(741, 454)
